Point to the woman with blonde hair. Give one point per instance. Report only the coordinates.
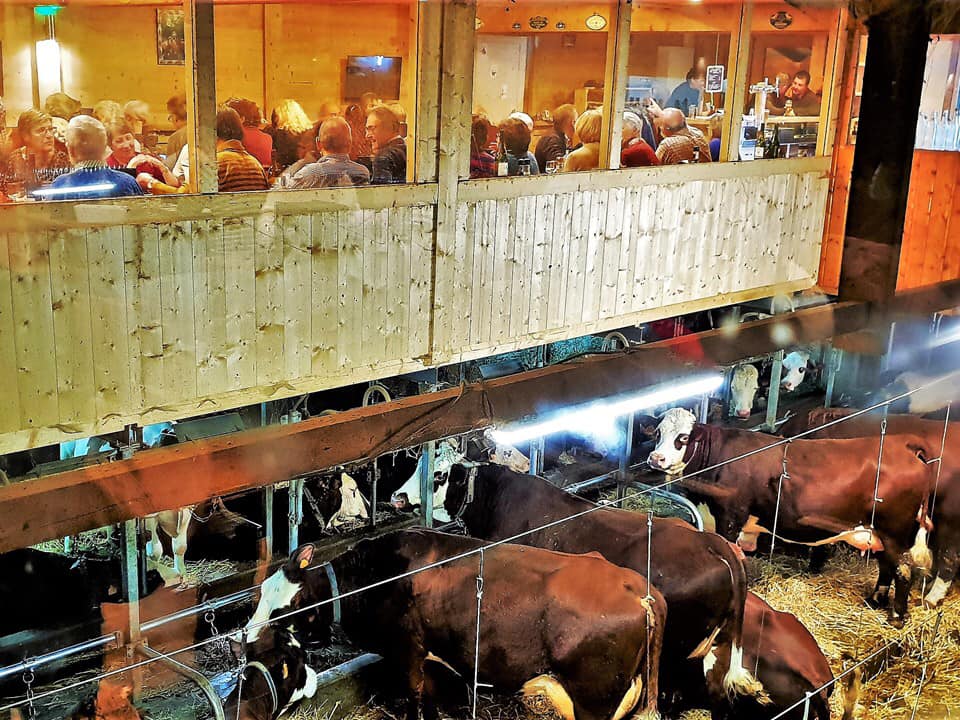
(108, 111)
(287, 123)
(136, 113)
(589, 128)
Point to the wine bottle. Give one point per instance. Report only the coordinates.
(503, 163)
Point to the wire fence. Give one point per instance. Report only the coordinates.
(221, 637)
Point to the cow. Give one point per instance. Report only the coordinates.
(699, 574)
(788, 662)
(407, 497)
(794, 372)
(944, 513)
(826, 495)
(744, 384)
(544, 628)
(275, 674)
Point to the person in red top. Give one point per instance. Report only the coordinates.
(634, 150)
(123, 146)
(255, 141)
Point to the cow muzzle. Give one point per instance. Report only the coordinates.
(400, 501)
(743, 414)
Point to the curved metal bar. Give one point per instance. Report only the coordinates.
(214, 604)
(199, 678)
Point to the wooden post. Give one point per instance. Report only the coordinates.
(427, 33)
(737, 87)
(838, 47)
(201, 95)
(615, 85)
(892, 83)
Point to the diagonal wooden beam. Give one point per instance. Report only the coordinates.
(165, 478)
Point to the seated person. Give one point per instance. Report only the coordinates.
(177, 115)
(776, 100)
(40, 158)
(555, 144)
(90, 177)
(237, 170)
(516, 141)
(634, 150)
(137, 115)
(589, 129)
(123, 145)
(334, 168)
(389, 148)
(255, 140)
(680, 143)
(482, 162)
(716, 127)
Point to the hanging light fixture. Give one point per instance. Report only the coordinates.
(49, 65)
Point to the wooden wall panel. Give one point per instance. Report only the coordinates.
(153, 315)
(536, 267)
(931, 232)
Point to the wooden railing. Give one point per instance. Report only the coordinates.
(136, 311)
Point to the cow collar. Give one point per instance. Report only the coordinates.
(271, 685)
(457, 521)
(334, 590)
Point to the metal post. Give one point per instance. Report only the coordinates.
(885, 360)
(373, 494)
(833, 365)
(536, 456)
(704, 409)
(427, 461)
(295, 514)
(625, 450)
(773, 396)
(268, 520)
(130, 580)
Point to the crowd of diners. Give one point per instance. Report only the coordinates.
(64, 152)
(650, 135)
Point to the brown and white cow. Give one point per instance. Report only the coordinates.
(943, 515)
(699, 574)
(586, 633)
(827, 495)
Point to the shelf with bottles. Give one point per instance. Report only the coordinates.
(938, 131)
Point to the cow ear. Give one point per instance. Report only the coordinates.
(304, 556)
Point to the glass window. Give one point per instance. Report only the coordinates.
(538, 86)
(76, 123)
(676, 85)
(325, 95)
(937, 126)
(788, 79)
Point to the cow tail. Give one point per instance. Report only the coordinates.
(739, 680)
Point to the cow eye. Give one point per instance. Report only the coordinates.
(801, 370)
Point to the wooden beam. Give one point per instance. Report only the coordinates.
(737, 86)
(839, 46)
(166, 478)
(893, 78)
(615, 84)
(201, 95)
(427, 36)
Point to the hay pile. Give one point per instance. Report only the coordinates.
(832, 607)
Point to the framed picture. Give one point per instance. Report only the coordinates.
(171, 45)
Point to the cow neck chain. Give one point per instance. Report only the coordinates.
(784, 475)
(312, 502)
(271, 685)
(457, 521)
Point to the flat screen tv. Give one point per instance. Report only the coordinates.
(378, 74)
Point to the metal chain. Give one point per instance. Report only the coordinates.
(28, 678)
(223, 644)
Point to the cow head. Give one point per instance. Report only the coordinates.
(508, 456)
(795, 366)
(673, 434)
(276, 653)
(281, 592)
(344, 497)
(744, 384)
(408, 496)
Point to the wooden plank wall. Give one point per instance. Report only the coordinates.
(931, 233)
(532, 268)
(126, 312)
(136, 323)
